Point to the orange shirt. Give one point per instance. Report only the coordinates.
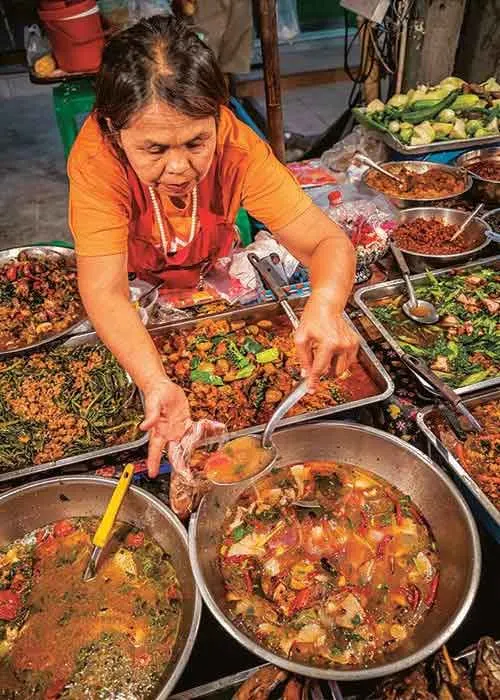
(100, 200)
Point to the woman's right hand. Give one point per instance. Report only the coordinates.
(167, 417)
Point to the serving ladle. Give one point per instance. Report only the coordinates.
(416, 309)
(371, 163)
(467, 221)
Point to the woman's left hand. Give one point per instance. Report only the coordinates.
(323, 336)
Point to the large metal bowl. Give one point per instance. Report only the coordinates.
(483, 190)
(405, 467)
(475, 235)
(421, 167)
(28, 507)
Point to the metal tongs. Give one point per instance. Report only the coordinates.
(105, 528)
(272, 282)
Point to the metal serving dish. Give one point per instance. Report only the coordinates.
(421, 167)
(482, 190)
(90, 339)
(475, 234)
(42, 252)
(269, 311)
(435, 146)
(489, 512)
(26, 508)
(406, 468)
(395, 287)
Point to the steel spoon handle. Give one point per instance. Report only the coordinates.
(467, 222)
(289, 402)
(371, 163)
(405, 271)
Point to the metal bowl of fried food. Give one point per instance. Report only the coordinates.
(443, 182)
(483, 166)
(27, 508)
(402, 466)
(470, 244)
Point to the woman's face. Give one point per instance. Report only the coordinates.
(168, 149)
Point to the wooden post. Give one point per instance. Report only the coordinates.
(433, 40)
(271, 61)
(371, 86)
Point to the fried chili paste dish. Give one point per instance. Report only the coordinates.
(237, 372)
(463, 348)
(431, 184)
(478, 453)
(331, 586)
(67, 401)
(61, 638)
(38, 297)
(431, 237)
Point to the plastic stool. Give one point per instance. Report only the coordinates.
(72, 101)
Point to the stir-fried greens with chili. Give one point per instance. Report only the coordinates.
(111, 637)
(478, 453)
(338, 585)
(38, 297)
(236, 372)
(463, 348)
(67, 401)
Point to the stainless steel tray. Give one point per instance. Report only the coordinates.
(490, 512)
(437, 146)
(90, 339)
(395, 287)
(272, 310)
(41, 251)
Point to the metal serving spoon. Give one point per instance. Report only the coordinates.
(416, 309)
(371, 163)
(467, 221)
(267, 273)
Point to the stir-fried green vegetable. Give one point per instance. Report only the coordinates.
(464, 347)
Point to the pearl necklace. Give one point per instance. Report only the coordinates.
(159, 220)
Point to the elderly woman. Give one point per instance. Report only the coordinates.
(157, 175)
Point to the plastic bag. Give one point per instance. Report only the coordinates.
(264, 246)
(138, 9)
(35, 44)
(288, 20)
(339, 157)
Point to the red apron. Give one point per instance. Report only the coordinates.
(185, 268)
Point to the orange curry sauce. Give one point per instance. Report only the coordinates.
(63, 638)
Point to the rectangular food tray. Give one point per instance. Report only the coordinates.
(489, 512)
(272, 310)
(395, 287)
(86, 339)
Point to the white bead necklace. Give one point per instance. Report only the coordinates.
(159, 220)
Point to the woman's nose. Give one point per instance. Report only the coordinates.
(176, 163)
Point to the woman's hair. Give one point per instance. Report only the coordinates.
(162, 59)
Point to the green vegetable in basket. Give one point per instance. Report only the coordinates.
(394, 126)
(375, 106)
(423, 134)
(492, 126)
(427, 109)
(472, 125)
(398, 101)
(458, 131)
(491, 85)
(405, 133)
(452, 83)
(463, 102)
(441, 130)
(447, 116)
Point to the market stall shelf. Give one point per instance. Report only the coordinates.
(393, 291)
(255, 367)
(435, 147)
(428, 421)
(23, 397)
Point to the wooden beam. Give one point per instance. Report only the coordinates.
(271, 61)
(255, 88)
(478, 56)
(433, 40)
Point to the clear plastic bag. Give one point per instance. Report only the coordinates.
(339, 157)
(139, 9)
(35, 44)
(288, 20)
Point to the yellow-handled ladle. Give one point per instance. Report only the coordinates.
(103, 532)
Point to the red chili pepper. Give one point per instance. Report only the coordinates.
(363, 523)
(11, 274)
(399, 515)
(305, 598)
(47, 547)
(238, 559)
(134, 539)
(55, 690)
(18, 583)
(10, 602)
(248, 581)
(431, 594)
(416, 515)
(63, 528)
(413, 596)
(382, 546)
(172, 593)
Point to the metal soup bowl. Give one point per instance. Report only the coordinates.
(409, 470)
(26, 508)
(422, 167)
(483, 190)
(475, 235)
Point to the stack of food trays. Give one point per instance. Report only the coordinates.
(237, 366)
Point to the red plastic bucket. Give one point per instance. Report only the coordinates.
(75, 34)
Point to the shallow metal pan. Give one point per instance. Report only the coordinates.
(489, 511)
(272, 310)
(396, 287)
(87, 339)
(40, 251)
(437, 146)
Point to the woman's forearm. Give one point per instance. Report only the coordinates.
(332, 269)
